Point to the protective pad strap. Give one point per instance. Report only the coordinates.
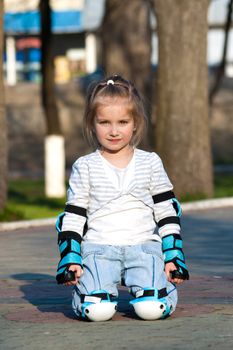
(73, 209)
(169, 220)
(66, 235)
(161, 197)
(100, 294)
(151, 292)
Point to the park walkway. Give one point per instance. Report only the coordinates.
(35, 313)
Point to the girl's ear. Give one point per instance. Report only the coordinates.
(135, 126)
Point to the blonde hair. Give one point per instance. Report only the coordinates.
(102, 93)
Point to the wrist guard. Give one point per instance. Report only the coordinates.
(172, 248)
(70, 250)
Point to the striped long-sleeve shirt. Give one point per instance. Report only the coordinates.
(120, 206)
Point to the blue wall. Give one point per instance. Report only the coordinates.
(29, 22)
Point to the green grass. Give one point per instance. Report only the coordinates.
(26, 199)
(223, 186)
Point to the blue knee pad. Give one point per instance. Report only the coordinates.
(97, 306)
(151, 304)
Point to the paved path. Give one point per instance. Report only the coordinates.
(35, 313)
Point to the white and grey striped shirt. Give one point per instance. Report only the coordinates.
(120, 203)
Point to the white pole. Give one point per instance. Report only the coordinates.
(54, 166)
(11, 77)
(91, 52)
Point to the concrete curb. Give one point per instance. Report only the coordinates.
(14, 225)
(207, 204)
(186, 207)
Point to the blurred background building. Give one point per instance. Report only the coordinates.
(74, 44)
(75, 26)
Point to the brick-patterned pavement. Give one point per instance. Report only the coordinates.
(35, 313)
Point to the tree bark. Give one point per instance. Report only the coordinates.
(182, 125)
(126, 45)
(3, 124)
(126, 37)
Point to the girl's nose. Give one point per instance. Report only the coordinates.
(114, 130)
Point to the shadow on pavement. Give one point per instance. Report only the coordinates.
(42, 291)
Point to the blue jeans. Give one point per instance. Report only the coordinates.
(139, 266)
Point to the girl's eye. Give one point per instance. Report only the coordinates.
(103, 122)
(124, 122)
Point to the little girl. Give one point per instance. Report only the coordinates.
(117, 198)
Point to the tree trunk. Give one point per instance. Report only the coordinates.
(3, 125)
(47, 70)
(126, 36)
(126, 44)
(54, 141)
(182, 126)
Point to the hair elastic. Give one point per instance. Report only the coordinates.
(110, 81)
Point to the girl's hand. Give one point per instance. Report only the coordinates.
(169, 267)
(78, 273)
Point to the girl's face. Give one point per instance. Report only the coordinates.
(114, 126)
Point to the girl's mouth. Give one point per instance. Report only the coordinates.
(114, 140)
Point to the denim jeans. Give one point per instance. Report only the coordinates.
(139, 266)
